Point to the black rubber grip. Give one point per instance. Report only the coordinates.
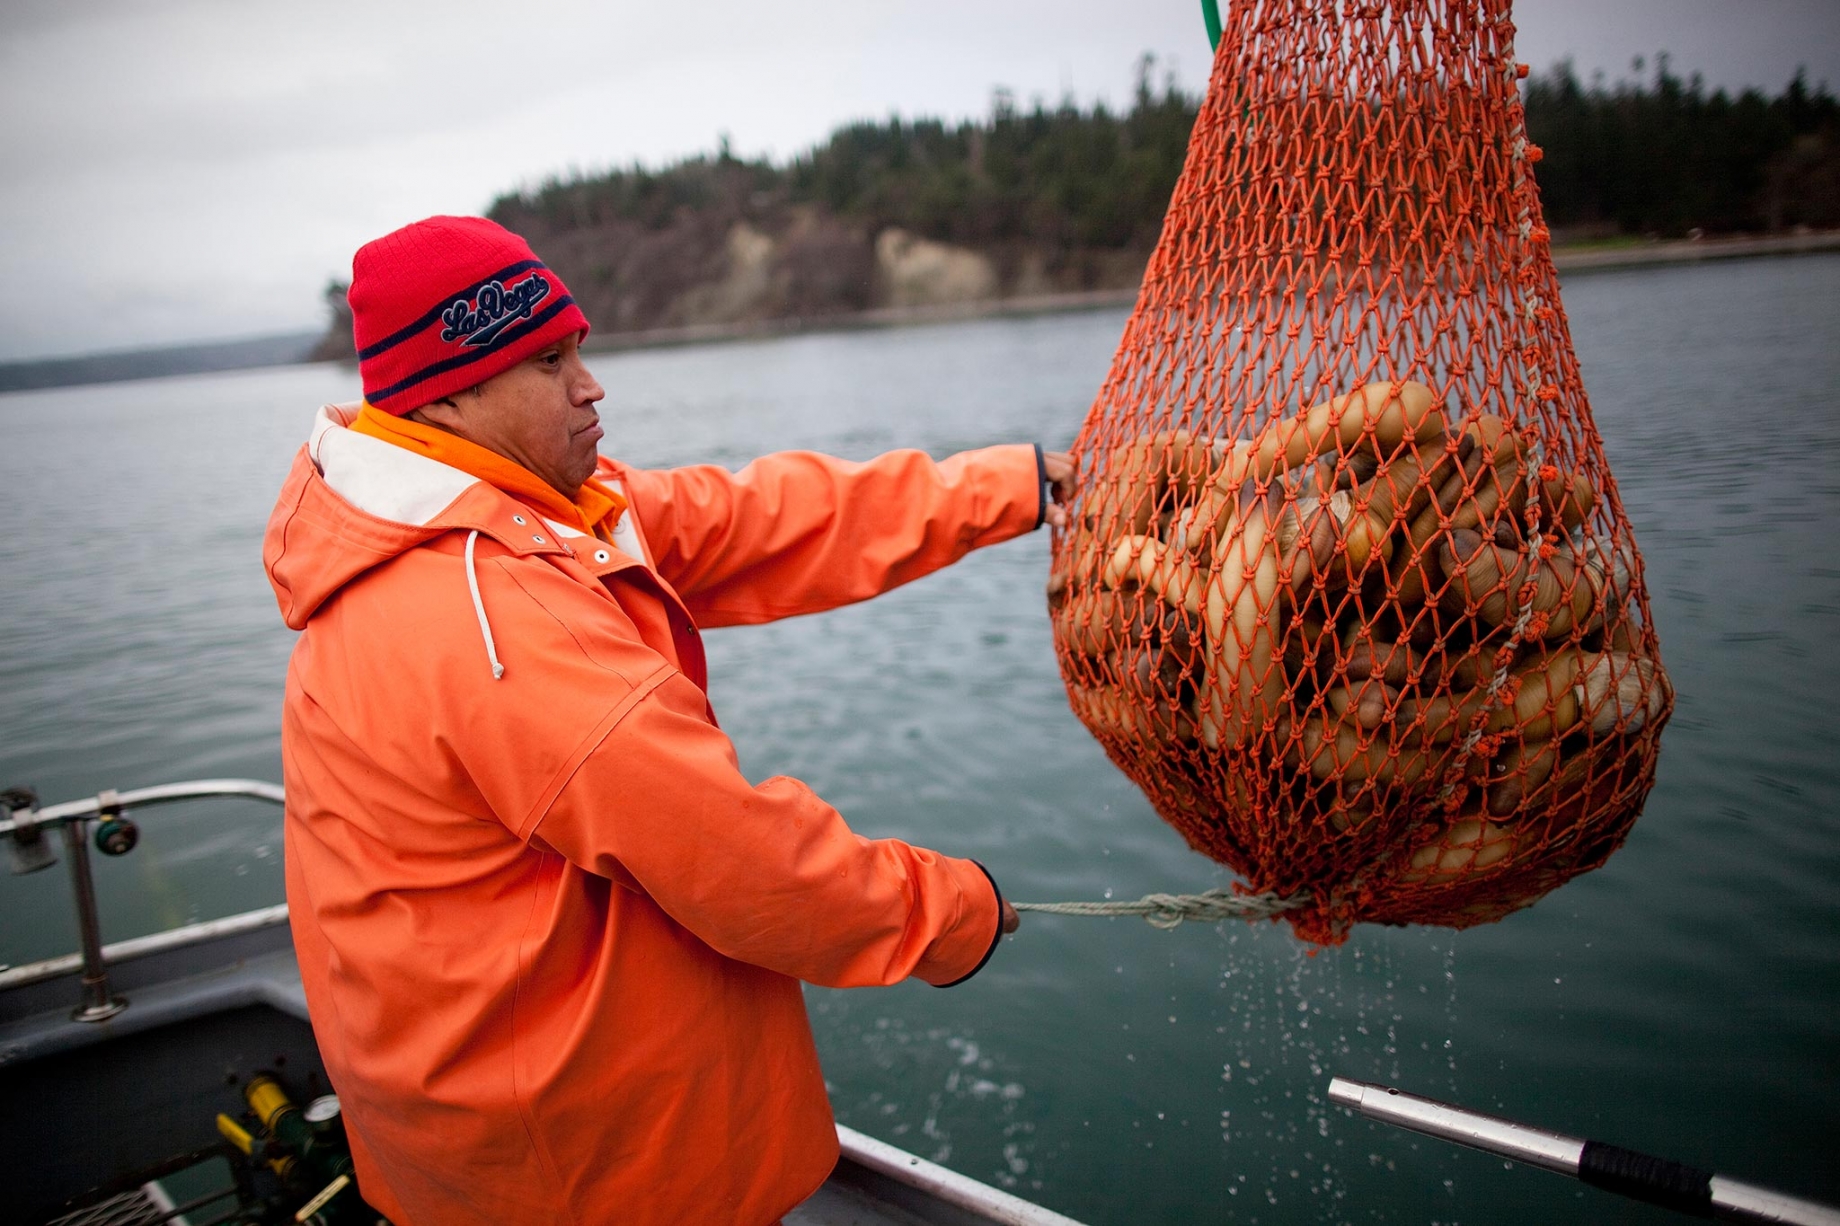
(1655, 1180)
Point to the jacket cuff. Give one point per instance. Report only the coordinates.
(995, 937)
(1041, 515)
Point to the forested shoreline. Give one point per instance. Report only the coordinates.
(1036, 201)
(1667, 157)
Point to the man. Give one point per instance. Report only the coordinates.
(551, 938)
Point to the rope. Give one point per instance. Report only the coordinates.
(1170, 910)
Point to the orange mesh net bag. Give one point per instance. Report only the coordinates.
(1348, 590)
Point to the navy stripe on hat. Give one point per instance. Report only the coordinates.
(402, 334)
(501, 341)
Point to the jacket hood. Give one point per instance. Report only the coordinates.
(352, 502)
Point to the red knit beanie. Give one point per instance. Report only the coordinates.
(449, 302)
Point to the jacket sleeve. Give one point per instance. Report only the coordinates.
(799, 532)
(596, 746)
(767, 874)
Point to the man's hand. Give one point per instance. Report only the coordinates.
(1060, 471)
(1011, 921)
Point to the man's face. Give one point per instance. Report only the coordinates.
(540, 414)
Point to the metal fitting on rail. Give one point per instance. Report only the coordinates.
(30, 849)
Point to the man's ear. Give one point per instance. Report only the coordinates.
(443, 414)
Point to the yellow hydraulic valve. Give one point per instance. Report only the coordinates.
(238, 1136)
(267, 1099)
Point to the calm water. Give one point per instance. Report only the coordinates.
(1685, 999)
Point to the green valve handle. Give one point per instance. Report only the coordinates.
(1210, 13)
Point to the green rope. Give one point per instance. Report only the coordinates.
(1210, 13)
(1170, 910)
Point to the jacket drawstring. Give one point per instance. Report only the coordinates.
(479, 607)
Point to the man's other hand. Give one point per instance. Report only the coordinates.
(1011, 921)
(1060, 471)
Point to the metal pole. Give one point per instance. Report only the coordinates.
(97, 1004)
(1611, 1167)
(1534, 1146)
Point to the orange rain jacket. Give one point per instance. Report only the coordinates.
(550, 937)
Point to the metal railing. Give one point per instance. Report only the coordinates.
(25, 828)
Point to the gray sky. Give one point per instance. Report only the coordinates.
(195, 169)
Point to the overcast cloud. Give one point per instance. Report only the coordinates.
(198, 169)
